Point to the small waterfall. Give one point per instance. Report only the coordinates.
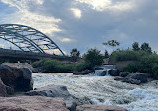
(103, 70)
(107, 72)
(99, 73)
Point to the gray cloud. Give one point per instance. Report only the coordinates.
(126, 21)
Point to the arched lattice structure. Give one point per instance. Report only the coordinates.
(28, 39)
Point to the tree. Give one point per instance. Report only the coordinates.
(145, 47)
(93, 57)
(112, 43)
(74, 54)
(135, 46)
(106, 54)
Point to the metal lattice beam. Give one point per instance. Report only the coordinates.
(27, 38)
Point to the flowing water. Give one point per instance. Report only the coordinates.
(104, 90)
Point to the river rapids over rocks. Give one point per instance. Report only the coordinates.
(88, 89)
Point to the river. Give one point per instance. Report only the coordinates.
(104, 90)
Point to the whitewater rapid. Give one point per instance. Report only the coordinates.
(104, 90)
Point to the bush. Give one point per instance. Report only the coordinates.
(147, 64)
(155, 70)
(83, 66)
(39, 63)
(93, 57)
(127, 55)
(50, 65)
(131, 68)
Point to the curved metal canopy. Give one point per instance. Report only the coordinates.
(27, 38)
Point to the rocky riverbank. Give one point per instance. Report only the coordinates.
(16, 91)
(65, 91)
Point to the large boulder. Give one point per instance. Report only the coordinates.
(55, 91)
(36, 103)
(133, 78)
(19, 65)
(123, 74)
(3, 91)
(142, 77)
(119, 78)
(99, 108)
(132, 81)
(114, 72)
(20, 79)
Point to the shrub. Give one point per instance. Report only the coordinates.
(155, 70)
(93, 57)
(66, 68)
(39, 63)
(147, 64)
(50, 65)
(83, 66)
(127, 55)
(131, 68)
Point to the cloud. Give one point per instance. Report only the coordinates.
(23, 16)
(85, 24)
(66, 40)
(77, 12)
(101, 5)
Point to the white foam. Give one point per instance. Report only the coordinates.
(147, 100)
(104, 90)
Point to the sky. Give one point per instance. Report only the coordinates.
(85, 24)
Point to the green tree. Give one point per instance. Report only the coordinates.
(135, 46)
(145, 47)
(112, 43)
(74, 54)
(93, 57)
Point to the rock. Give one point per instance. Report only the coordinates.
(19, 79)
(84, 72)
(10, 90)
(82, 100)
(118, 78)
(99, 108)
(133, 78)
(3, 91)
(135, 81)
(102, 73)
(148, 75)
(114, 72)
(39, 70)
(138, 76)
(19, 65)
(123, 74)
(25, 82)
(132, 81)
(55, 91)
(36, 103)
